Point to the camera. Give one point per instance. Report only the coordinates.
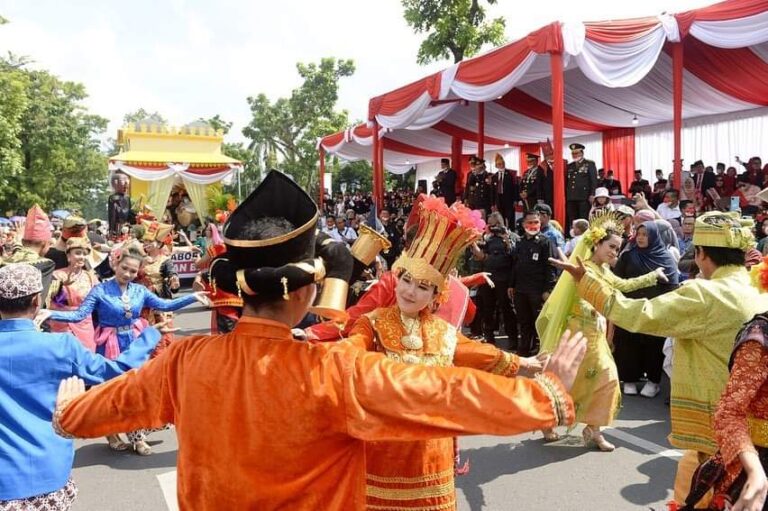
(496, 229)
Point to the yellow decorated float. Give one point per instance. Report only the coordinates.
(169, 173)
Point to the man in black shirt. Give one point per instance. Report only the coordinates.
(496, 255)
(446, 182)
(532, 279)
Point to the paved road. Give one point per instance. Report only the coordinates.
(519, 473)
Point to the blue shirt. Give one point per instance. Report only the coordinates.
(33, 459)
(554, 235)
(106, 300)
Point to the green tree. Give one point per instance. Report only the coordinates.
(143, 115)
(284, 133)
(49, 147)
(455, 28)
(251, 175)
(357, 175)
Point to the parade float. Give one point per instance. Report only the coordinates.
(168, 174)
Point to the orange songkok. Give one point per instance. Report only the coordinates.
(37, 227)
(442, 236)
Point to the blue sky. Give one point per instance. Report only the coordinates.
(197, 58)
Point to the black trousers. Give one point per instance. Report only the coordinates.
(507, 210)
(638, 355)
(496, 299)
(575, 209)
(528, 306)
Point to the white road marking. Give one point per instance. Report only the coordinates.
(653, 448)
(167, 482)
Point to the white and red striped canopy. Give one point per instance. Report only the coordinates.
(614, 71)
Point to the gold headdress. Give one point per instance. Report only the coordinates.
(443, 234)
(155, 231)
(600, 225)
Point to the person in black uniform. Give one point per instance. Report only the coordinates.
(507, 191)
(446, 182)
(580, 184)
(480, 193)
(532, 279)
(496, 254)
(532, 185)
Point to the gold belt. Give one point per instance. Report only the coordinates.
(758, 431)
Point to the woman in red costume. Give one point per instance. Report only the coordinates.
(420, 475)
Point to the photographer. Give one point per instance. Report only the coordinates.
(496, 255)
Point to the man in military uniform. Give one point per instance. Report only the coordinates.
(480, 192)
(507, 191)
(532, 186)
(580, 184)
(446, 182)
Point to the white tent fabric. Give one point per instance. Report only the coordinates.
(614, 71)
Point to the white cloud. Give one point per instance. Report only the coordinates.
(195, 58)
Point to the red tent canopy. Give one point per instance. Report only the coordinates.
(571, 79)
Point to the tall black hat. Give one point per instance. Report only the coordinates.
(278, 196)
(273, 267)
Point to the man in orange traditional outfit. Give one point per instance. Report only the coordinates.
(266, 422)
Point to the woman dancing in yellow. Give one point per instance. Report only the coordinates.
(596, 392)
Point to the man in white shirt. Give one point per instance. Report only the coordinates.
(346, 234)
(330, 228)
(670, 207)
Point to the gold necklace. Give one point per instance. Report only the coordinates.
(411, 341)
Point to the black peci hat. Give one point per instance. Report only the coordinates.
(270, 267)
(278, 196)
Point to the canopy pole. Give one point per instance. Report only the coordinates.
(382, 185)
(375, 160)
(558, 121)
(457, 144)
(481, 130)
(321, 154)
(677, 107)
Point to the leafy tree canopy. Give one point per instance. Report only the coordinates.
(455, 28)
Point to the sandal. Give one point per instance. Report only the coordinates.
(142, 448)
(550, 435)
(593, 436)
(116, 443)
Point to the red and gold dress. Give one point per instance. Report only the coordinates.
(67, 292)
(419, 474)
(740, 423)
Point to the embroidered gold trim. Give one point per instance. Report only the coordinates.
(410, 480)
(56, 423)
(558, 401)
(242, 284)
(440, 490)
(505, 365)
(276, 240)
(451, 504)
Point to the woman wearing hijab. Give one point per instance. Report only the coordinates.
(636, 354)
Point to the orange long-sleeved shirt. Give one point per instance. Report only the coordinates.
(265, 422)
